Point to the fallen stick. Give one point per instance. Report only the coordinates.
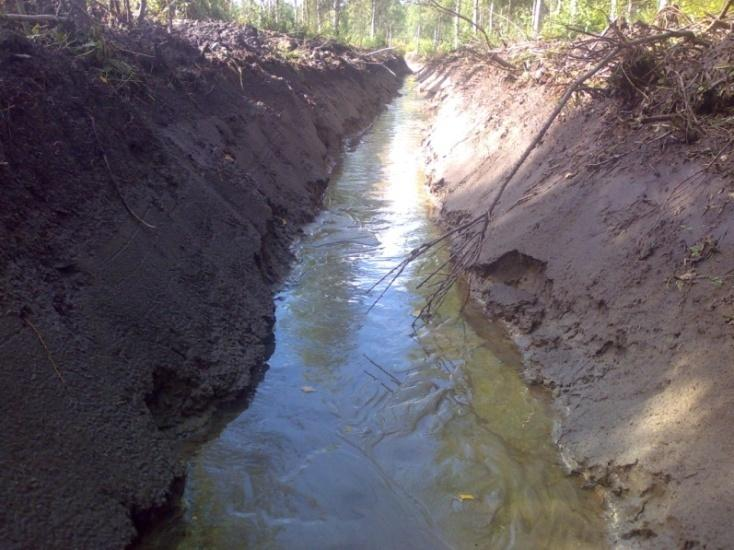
(114, 180)
(45, 347)
(388, 69)
(41, 18)
(388, 388)
(392, 376)
(379, 51)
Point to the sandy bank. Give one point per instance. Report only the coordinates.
(610, 258)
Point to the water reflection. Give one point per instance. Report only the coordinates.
(366, 433)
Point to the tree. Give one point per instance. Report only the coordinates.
(457, 17)
(337, 13)
(538, 12)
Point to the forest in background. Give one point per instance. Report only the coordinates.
(422, 26)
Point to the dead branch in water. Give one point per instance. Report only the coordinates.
(383, 369)
(388, 388)
(472, 234)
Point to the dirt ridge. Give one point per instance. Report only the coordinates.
(152, 184)
(613, 273)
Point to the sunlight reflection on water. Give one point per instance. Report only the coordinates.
(366, 433)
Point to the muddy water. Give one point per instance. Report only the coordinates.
(366, 433)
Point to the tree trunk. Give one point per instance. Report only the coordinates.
(115, 9)
(318, 16)
(457, 9)
(142, 11)
(475, 16)
(337, 12)
(490, 23)
(128, 12)
(418, 30)
(613, 10)
(171, 14)
(662, 4)
(574, 10)
(373, 20)
(79, 13)
(537, 17)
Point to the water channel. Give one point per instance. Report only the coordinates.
(367, 432)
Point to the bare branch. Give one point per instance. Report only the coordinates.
(494, 56)
(473, 239)
(41, 18)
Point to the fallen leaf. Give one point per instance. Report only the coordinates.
(308, 389)
(228, 157)
(466, 496)
(570, 175)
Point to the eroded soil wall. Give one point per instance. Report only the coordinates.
(610, 257)
(150, 189)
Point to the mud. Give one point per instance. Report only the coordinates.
(151, 186)
(610, 258)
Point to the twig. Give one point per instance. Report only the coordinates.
(45, 347)
(719, 17)
(379, 51)
(392, 376)
(613, 158)
(701, 171)
(658, 118)
(388, 388)
(114, 180)
(494, 56)
(388, 69)
(392, 275)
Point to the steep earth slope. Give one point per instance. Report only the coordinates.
(151, 185)
(611, 258)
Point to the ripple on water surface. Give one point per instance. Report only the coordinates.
(366, 432)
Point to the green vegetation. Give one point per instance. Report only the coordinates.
(428, 26)
(424, 26)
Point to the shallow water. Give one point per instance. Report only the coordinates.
(367, 433)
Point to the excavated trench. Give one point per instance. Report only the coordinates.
(146, 227)
(372, 431)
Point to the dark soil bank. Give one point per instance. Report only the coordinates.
(151, 185)
(611, 258)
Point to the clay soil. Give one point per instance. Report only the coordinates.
(151, 186)
(610, 258)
